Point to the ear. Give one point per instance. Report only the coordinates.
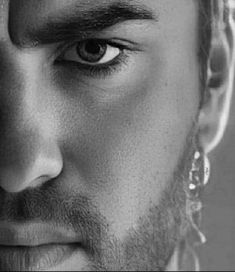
(214, 112)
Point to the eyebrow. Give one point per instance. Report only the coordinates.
(82, 23)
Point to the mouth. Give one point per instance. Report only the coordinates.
(22, 258)
(34, 246)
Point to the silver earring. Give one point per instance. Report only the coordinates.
(199, 174)
(198, 178)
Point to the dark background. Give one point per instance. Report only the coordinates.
(219, 205)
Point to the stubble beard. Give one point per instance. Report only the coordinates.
(147, 247)
(151, 245)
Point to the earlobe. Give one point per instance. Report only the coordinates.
(214, 112)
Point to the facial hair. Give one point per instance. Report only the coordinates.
(149, 246)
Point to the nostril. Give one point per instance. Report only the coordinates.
(39, 181)
(47, 164)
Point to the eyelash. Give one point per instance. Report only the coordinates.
(100, 70)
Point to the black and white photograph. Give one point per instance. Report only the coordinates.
(117, 135)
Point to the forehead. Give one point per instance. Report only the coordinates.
(27, 14)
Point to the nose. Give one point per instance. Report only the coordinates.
(29, 153)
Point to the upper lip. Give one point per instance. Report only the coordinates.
(35, 234)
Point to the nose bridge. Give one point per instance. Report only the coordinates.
(18, 131)
(26, 152)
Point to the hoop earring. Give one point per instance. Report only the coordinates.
(198, 178)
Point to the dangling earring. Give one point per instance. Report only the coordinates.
(198, 177)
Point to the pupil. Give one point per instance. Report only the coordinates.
(93, 48)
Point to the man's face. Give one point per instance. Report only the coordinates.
(96, 111)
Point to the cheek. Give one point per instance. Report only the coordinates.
(146, 136)
(126, 148)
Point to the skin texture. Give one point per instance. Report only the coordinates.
(112, 144)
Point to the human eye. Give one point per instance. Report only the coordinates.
(95, 56)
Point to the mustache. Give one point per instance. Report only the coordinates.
(54, 205)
